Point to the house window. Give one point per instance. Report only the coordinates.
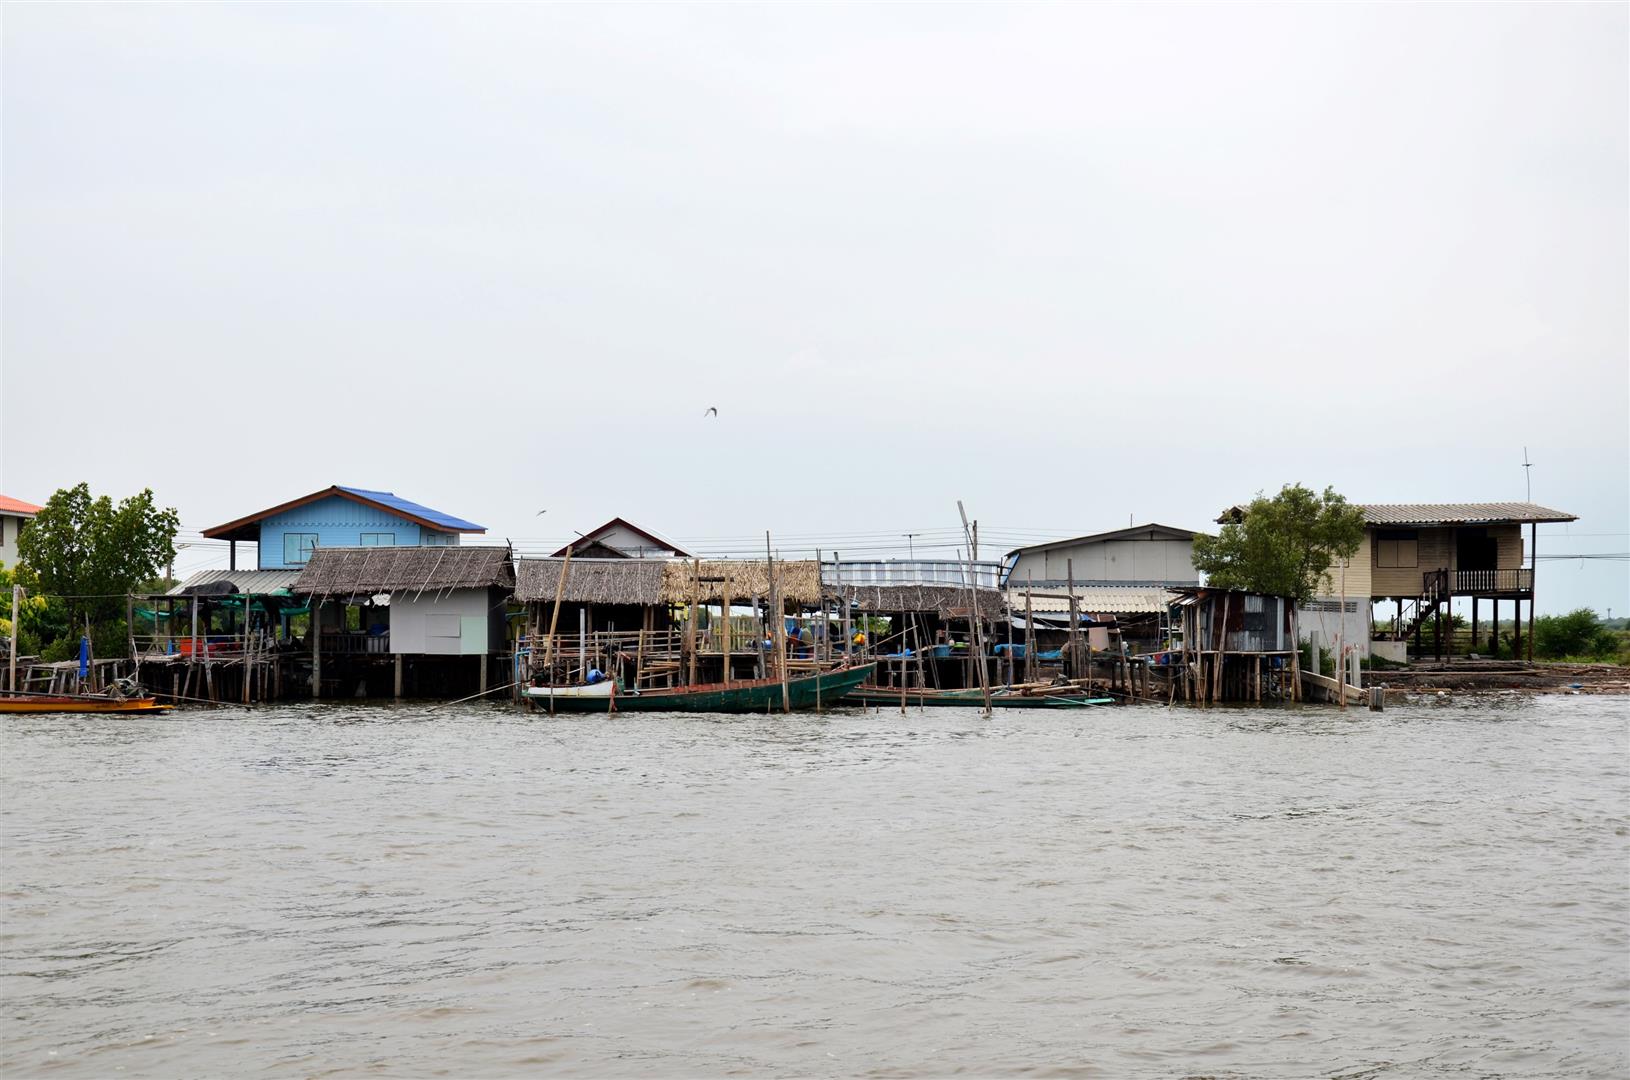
(435, 539)
(1396, 548)
(379, 539)
(297, 547)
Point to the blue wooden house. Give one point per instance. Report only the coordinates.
(337, 516)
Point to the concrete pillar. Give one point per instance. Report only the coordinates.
(398, 675)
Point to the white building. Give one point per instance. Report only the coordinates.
(1145, 556)
(15, 514)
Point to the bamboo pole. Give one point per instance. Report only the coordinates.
(815, 645)
(724, 625)
(554, 621)
(11, 664)
(973, 614)
(780, 638)
(690, 622)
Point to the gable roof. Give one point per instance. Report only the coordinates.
(18, 507)
(350, 571)
(244, 528)
(1151, 531)
(596, 535)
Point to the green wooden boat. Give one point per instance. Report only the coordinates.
(971, 699)
(754, 696)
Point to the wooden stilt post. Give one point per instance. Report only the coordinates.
(1029, 632)
(316, 644)
(396, 680)
(1533, 581)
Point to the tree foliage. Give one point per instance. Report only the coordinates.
(34, 614)
(1284, 546)
(87, 553)
(1578, 633)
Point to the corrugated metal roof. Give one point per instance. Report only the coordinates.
(1149, 531)
(1093, 599)
(247, 581)
(407, 506)
(1460, 513)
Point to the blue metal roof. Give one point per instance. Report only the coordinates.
(395, 502)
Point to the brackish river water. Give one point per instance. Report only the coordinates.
(1440, 890)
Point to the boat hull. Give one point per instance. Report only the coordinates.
(598, 692)
(43, 704)
(972, 699)
(757, 696)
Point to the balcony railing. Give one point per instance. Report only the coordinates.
(351, 642)
(1488, 582)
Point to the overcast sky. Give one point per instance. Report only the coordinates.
(1073, 264)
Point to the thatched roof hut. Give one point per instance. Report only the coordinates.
(799, 580)
(591, 581)
(356, 571)
(945, 601)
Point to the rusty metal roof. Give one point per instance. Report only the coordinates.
(1502, 513)
(259, 582)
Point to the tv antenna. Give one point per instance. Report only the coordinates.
(1528, 475)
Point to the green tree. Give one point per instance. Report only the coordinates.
(1284, 546)
(1578, 633)
(88, 553)
(34, 614)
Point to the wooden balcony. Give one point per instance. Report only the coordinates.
(1502, 583)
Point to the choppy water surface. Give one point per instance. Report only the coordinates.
(1435, 891)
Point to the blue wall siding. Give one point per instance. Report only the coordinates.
(337, 522)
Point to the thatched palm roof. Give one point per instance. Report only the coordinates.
(591, 581)
(351, 571)
(799, 581)
(946, 601)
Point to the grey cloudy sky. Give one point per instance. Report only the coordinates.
(1071, 263)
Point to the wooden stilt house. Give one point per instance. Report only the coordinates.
(426, 621)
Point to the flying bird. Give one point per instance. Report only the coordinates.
(712, 411)
(540, 513)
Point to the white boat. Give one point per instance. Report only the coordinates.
(601, 690)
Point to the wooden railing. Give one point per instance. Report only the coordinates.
(354, 642)
(1487, 582)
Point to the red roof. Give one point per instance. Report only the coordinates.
(8, 505)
